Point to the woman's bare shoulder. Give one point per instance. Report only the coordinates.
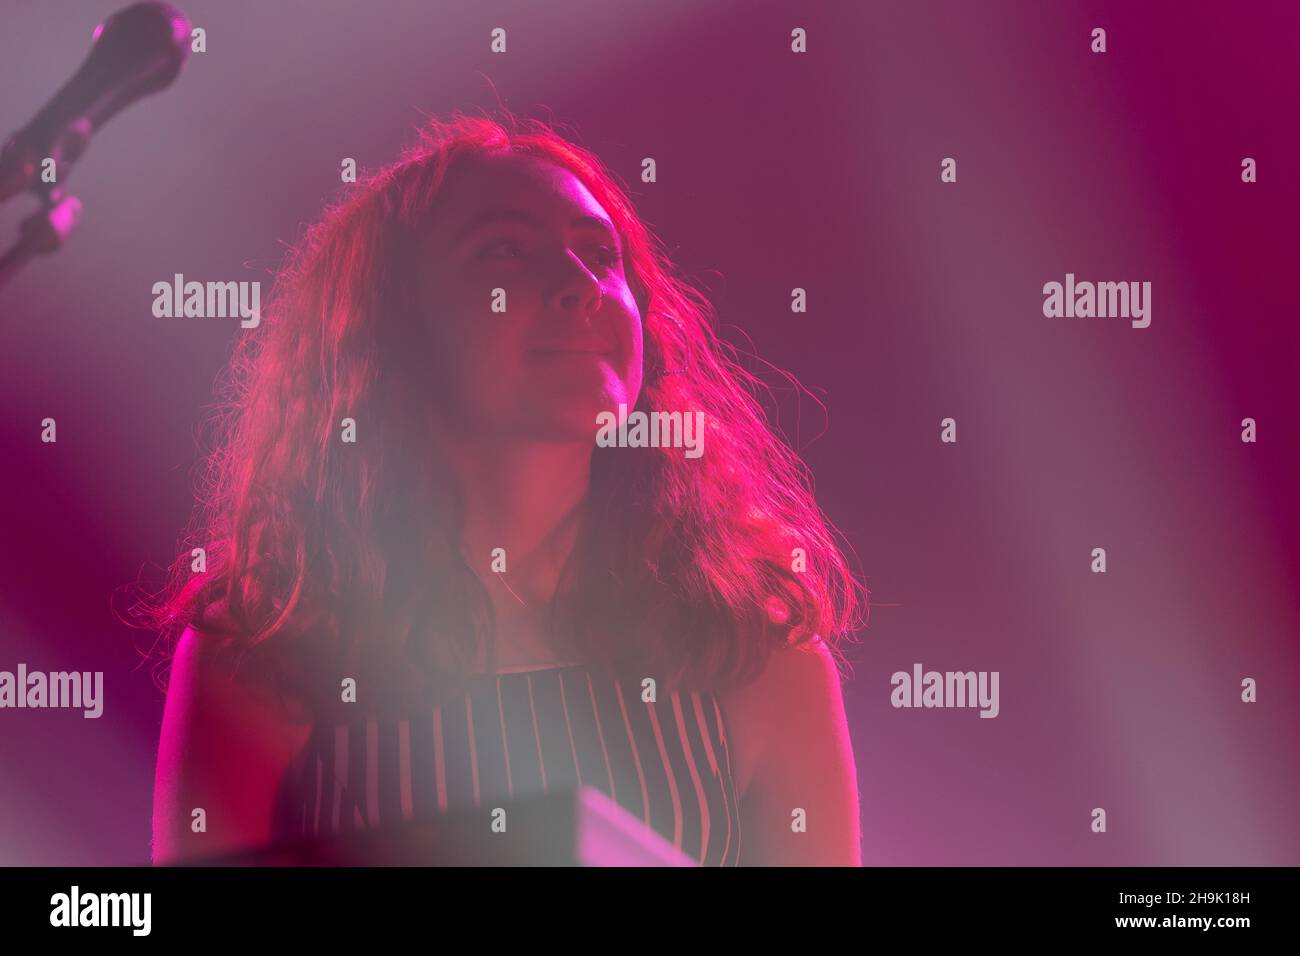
(225, 745)
(796, 754)
(207, 670)
(793, 676)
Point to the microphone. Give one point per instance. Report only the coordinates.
(136, 51)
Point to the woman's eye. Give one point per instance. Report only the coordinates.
(502, 249)
(605, 257)
(608, 257)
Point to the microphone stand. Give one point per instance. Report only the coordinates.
(134, 52)
(41, 233)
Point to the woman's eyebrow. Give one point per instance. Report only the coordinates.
(492, 217)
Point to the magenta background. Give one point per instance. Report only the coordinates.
(775, 171)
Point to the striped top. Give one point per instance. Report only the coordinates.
(510, 734)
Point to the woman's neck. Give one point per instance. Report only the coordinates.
(528, 504)
(523, 504)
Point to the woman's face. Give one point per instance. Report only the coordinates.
(568, 345)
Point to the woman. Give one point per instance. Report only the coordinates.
(426, 585)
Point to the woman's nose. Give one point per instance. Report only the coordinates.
(576, 286)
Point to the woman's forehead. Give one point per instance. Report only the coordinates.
(516, 180)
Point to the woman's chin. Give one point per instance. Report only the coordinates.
(575, 424)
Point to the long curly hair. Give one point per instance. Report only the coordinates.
(329, 560)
